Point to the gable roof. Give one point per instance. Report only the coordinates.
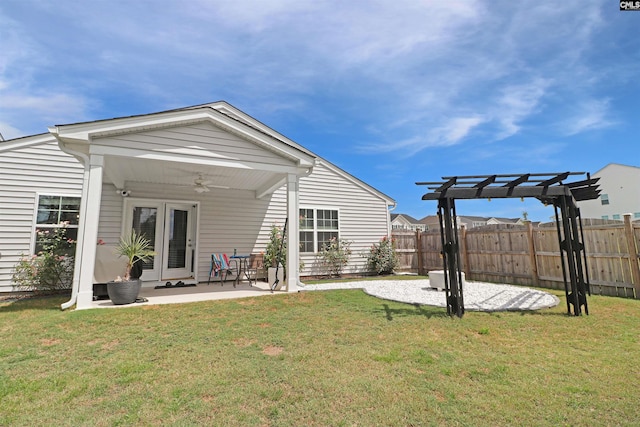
(409, 218)
(26, 141)
(220, 109)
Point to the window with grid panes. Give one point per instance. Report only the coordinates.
(317, 228)
(53, 211)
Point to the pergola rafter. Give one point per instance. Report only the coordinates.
(546, 187)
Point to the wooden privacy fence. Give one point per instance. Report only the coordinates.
(527, 255)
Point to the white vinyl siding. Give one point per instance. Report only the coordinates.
(204, 141)
(25, 173)
(227, 218)
(619, 187)
(363, 215)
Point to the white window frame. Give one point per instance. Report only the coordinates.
(315, 224)
(36, 225)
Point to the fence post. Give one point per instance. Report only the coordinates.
(463, 250)
(533, 259)
(633, 254)
(419, 250)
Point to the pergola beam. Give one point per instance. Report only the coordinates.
(497, 192)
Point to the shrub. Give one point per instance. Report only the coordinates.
(335, 255)
(382, 257)
(52, 268)
(276, 251)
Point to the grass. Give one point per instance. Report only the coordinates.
(317, 359)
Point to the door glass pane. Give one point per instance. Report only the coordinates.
(178, 238)
(144, 224)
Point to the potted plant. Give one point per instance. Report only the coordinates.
(136, 249)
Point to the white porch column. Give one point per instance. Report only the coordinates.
(293, 233)
(89, 223)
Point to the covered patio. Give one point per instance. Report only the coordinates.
(201, 292)
(195, 181)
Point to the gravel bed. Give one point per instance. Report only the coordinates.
(478, 296)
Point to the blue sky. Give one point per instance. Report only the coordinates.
(393, 92)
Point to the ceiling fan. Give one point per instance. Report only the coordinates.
(201, 185)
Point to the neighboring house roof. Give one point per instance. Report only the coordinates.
(614, 165)
(409, 218)
(473, 218)
(504, 220)
(433, 219)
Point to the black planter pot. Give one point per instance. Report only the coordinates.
(124, 292)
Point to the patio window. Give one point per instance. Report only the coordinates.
(55, 212)
(317, 228)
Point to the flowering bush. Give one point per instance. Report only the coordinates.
(276, 251)
(382, 257)
(52, 268)
(335, 256)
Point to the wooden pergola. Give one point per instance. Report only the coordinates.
(550, 189)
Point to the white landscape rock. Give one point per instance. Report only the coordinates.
(478, 296)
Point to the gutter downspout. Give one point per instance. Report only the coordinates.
(84, 160)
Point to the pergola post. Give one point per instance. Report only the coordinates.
(451, 257)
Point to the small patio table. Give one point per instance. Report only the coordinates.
(242, 263)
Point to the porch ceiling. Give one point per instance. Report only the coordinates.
(120, 171)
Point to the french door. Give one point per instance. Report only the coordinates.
(170, 227)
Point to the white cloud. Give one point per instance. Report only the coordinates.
(421, 74)
(451, 132)
(454, 130)
(590, 115)
(515, 104)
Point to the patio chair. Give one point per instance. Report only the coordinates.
(255, 266)
(221, 268)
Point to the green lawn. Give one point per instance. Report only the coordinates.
(318, 358)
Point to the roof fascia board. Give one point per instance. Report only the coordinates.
(225, 107)
(270, 141)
